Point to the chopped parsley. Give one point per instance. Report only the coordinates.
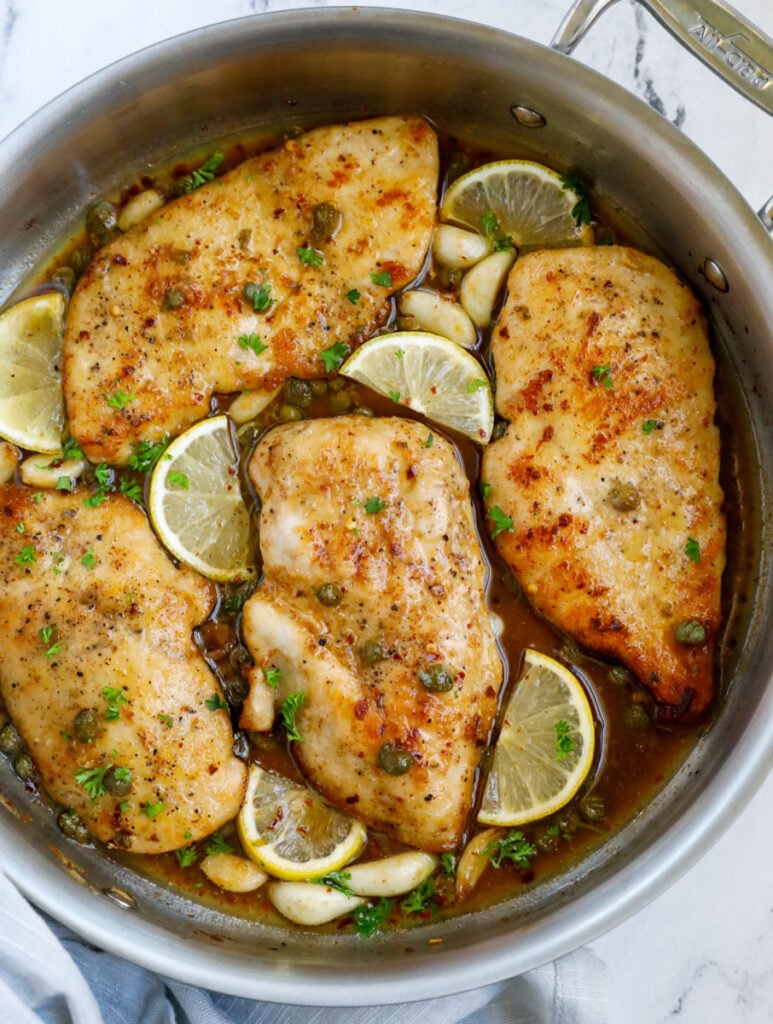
(64, 483)
(501, 521)
(89, 559)
(217, 844)
(93, 780)
(120, 398)
(564, 741)
(37, 497)
(71, 449)
(373, 505)
(153, 810)
(649, 425)
(693, 550)
(490, 227)
(252, 343)
(514, 847)
(336, 880)
(259, 295)
(20, 527)
(476, 385)
(309, 257)
(383, 279)
(288, 709)
(333, 357)
(166, 720)
(186, 856)
(485, 489)
(581, 209)
(430, 439)
(177, 479)
(353, 295)
(603, 375)
(205, 173)
(216, 703)
(143, 459)
(371, 916)
(131, 489)
(395, 396)
(272, 676)
(420, 899)
(448, 863)
(104, 477)
(26, 556)
(115, 699)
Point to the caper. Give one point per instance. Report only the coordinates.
(318, 386)
(240, 656)
(593, 807)
(449, 277)
(181, 256)
(173, 299)
(393, 760)
(236, 689)
(690, 632)
(362, 410)
(624, 496)
(500, 429)
(570, 651)
(325, 221)
(86, 725)
(71, 826)
(337, 383)
(10, 740)
(372, 651)
(299, 392)
(547, 838)
(241, 746)
(65, 278)
(118, 781)
(436, 679)
(636, 717)
(341, 401)
(80, 259)
(329, 594)
(24, 767)
(568, 821)
(101, 221)
(287, 413)
(619, 675)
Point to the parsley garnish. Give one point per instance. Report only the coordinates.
(104, 477)
(370, 916)
(448, 863)
(485, 489)
(115, 699)
(335, 880)
(217, 844)
(603, 375)
(26, 555)
(186, 856)
(131, 489)
(333, 357)
(272, 676)
(177, 479)
(143, 459)
(166, 720)
(476, 385)
(153, 810)
(205, 173)
(93, 780)
(490, 226)
(353, 295)
(383, 279)
(37, 497)
(71, 449)
(309, 257)
(64, 483)
(89, 559)
(420, 899)
(430, 439)
(693, 550)
(216, 703)
(253, 343)
(501, 521)
(581, 209)
(20, 527)
(395, 396)
(373, 505)
(649, 425)
(513, 847)
(564, 741)
(120, 398)
(259, 295)
(288, 709)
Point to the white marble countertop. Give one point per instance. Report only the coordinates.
(703, 951)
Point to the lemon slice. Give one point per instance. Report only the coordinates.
(195, 503)
(545, 749)
(528, 201)
(428, 374)
(31, 402)
(292, 833)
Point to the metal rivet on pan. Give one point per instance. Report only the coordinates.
(527, 117)
(715, 275)
(766, 215)
(123, 899)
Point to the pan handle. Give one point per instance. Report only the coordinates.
(711, 29)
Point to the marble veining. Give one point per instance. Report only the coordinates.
(702, 953)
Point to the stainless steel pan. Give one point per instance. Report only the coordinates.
(317, 66)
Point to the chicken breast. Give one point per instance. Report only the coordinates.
(97, 619)
(604, 492)
(325, 228)
(373, 606)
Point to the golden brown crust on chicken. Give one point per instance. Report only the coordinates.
(89, 600)
(158, 314)
(605, 374)
(412, 580)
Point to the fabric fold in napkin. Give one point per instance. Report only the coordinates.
(44, 967)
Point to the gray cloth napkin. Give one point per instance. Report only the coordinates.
(44, 967)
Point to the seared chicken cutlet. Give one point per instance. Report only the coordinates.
(322, 230)
(373, 606)
(604, 491)
(98, 643)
